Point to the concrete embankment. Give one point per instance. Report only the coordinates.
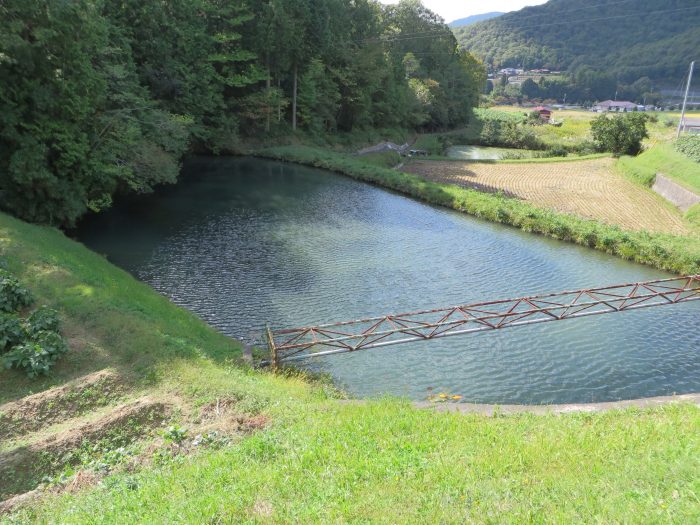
(490, 410)
(674, 193)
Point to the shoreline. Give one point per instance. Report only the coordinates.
(492, 410)
(673, 253)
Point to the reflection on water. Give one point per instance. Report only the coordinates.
(484, 153)
(245, 242)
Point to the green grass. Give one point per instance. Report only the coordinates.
(385, 159)
(325, 461)
(662, 158)
(386, 462)
(667, 252)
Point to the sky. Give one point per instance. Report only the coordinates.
(453, 9)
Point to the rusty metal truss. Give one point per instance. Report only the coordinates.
(376, 332)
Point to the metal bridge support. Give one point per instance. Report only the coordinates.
(377, 332)
(274, 358)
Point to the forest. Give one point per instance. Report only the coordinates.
(608, 45)
(105, 97)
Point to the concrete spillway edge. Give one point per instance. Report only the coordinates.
(491, 410)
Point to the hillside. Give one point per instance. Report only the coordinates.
(628, 39)
(463, 22)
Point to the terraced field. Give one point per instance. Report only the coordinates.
(589, 189)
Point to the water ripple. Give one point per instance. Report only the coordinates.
(245, 242)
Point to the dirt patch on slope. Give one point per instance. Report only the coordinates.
(21, 468)
(40, 410)
(587, 188)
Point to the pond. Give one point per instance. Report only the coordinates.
(243, 242)
(485, 153)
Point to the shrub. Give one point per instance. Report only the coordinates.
(13, 296)
(37, 355)
(621, 135)
(32, 344)
(556, 152)
(689, 145)
(12, 331)
(43, 319)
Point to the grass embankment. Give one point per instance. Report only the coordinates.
(663, 158)
(667, 252)
(387, 462)
(321, 461)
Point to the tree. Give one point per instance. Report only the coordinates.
(530, 89)
(620, 135)
(318, 99)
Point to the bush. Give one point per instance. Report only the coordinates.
(556, 152)
(13, 296)
(620, 135)
(37, 355)
(12, 331)
(43, 319)
(32, 344)
(689, 145)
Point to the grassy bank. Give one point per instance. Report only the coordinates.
(389, 463)
(319, 460)
(662, 158)
(677, 254)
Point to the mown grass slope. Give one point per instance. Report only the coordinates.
(662, 158)
(321, 460)
(387, 462)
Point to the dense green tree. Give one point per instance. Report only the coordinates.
(620, 135)
(101, 97)
(602, 49)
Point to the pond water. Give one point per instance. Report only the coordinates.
(244, 242)
(483, 152)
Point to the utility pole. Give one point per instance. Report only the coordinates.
(685, 99)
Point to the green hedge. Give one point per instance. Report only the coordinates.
(663, 251)
(689, 145)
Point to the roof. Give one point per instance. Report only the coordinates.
(616, 104)
(542, 108)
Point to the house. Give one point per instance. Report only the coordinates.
(509, 71)
(544, 112)
(615, 106)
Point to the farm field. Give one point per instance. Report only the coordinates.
(589, 189)
(575, 126)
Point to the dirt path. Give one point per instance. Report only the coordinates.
(588, 189)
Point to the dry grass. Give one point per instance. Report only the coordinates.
(589, 189)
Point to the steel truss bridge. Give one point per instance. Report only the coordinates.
(377, 332)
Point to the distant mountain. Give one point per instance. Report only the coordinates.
(626, 39)
(463, 22)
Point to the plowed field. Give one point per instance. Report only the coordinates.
(589, 189)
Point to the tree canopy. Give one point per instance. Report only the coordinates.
(608, 42)
(101, 97)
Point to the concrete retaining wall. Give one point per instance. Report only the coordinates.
(672, 192)
(490, 410)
